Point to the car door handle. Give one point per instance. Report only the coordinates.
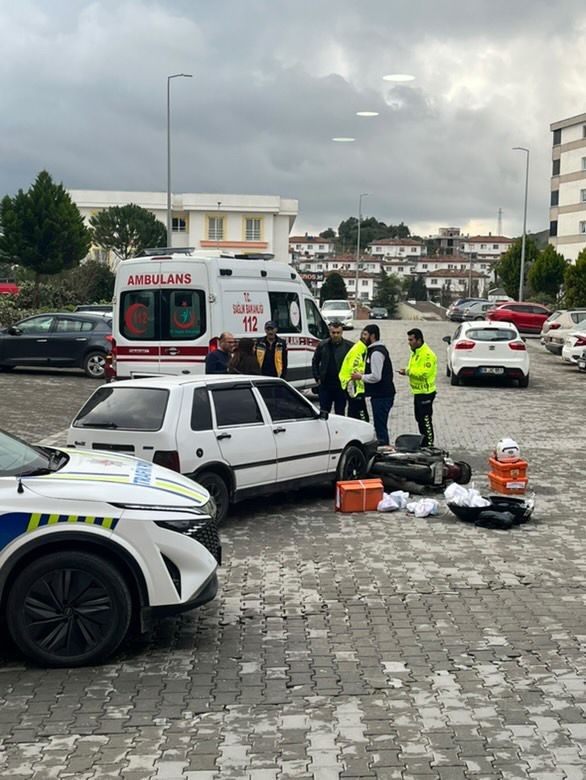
(42, 341)
(81, 339)
(223, 436)
(279, 430)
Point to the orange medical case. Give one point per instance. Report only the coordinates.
(358, 495)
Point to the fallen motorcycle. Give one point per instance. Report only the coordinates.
(411, 464)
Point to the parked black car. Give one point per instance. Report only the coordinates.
(60, 340)
(378, 313)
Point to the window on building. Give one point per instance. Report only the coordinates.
(583, 196)
(433, 281)
(253, 228)
(557, 137)
(555, 168)
(364, 282)
(321, 247)
(495, 246)
(483, 246)
(583, 131)
(216, 231)
(553, 228)
(424, 266)
(178, 225)
(320, 267)
(297, 246)
(584, 163)
(400, 269)
(555, 198)
(582, 227)
(414, 249)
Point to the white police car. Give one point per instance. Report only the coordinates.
(91, 543)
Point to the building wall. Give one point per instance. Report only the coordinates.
(277, 217)
(570, 211)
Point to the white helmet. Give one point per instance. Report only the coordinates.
(507, 449)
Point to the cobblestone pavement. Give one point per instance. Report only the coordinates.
(348, 645)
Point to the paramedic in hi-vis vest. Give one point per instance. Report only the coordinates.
(355, 360)
(271, 352)
(422, 371)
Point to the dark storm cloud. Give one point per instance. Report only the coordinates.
(84, 90)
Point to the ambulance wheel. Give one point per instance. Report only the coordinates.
(68, 609)
(218, 490)
(352, 464)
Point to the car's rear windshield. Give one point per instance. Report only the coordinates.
(491, 334)
(129, 409)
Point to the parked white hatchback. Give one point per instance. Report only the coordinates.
(485, 350)
(237, 436)
(574, 345)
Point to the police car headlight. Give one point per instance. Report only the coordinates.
(207, 510)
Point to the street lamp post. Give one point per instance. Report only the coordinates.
(362, 195)
(522, 272)
(174, 76)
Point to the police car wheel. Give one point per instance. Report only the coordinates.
(68, 609)
(352, 464)
(218, 490)
(94, 365)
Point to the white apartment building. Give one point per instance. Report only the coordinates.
(396, 247)
(486, 247)
(337, 263)
(238, 223)
(456, 281)
(308, 246)
(400, 268)
(427, 265)
(567, 214)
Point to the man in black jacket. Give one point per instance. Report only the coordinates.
(216, 362)
(378, 382)
(327, 361)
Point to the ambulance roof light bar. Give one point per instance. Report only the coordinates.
(168, 250)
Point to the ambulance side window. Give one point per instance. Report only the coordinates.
(315, 324)
(285, 311)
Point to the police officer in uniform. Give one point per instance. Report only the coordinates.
(422, 372)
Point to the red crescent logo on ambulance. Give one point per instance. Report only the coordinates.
(136, 319)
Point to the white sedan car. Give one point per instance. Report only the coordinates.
(574, 346)
(338, 311)
(485, 350)
(238, 436)
(92, 542)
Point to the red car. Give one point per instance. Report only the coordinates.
(528, 317)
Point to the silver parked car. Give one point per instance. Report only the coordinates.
(476, 310)
(558, 327)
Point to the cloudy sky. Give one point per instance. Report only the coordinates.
(83, 94)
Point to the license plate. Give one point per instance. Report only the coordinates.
(492, 370)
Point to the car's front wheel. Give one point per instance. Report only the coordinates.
(352, 464)
(94, 365)
(68, 609)
(218, 490)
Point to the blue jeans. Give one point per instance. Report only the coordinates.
(332, 395)
(381, 408)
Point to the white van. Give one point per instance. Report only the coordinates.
(169, 310)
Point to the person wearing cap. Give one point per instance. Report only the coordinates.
(271, 352)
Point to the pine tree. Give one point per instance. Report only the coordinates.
(128, 230)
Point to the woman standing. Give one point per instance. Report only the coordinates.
(243, 359)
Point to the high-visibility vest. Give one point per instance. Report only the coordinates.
(355, 360)
(422, 370)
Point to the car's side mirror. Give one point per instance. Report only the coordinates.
(323, 415)
(447, 339)
(14, 331)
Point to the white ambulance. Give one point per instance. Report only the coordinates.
(171, 306)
